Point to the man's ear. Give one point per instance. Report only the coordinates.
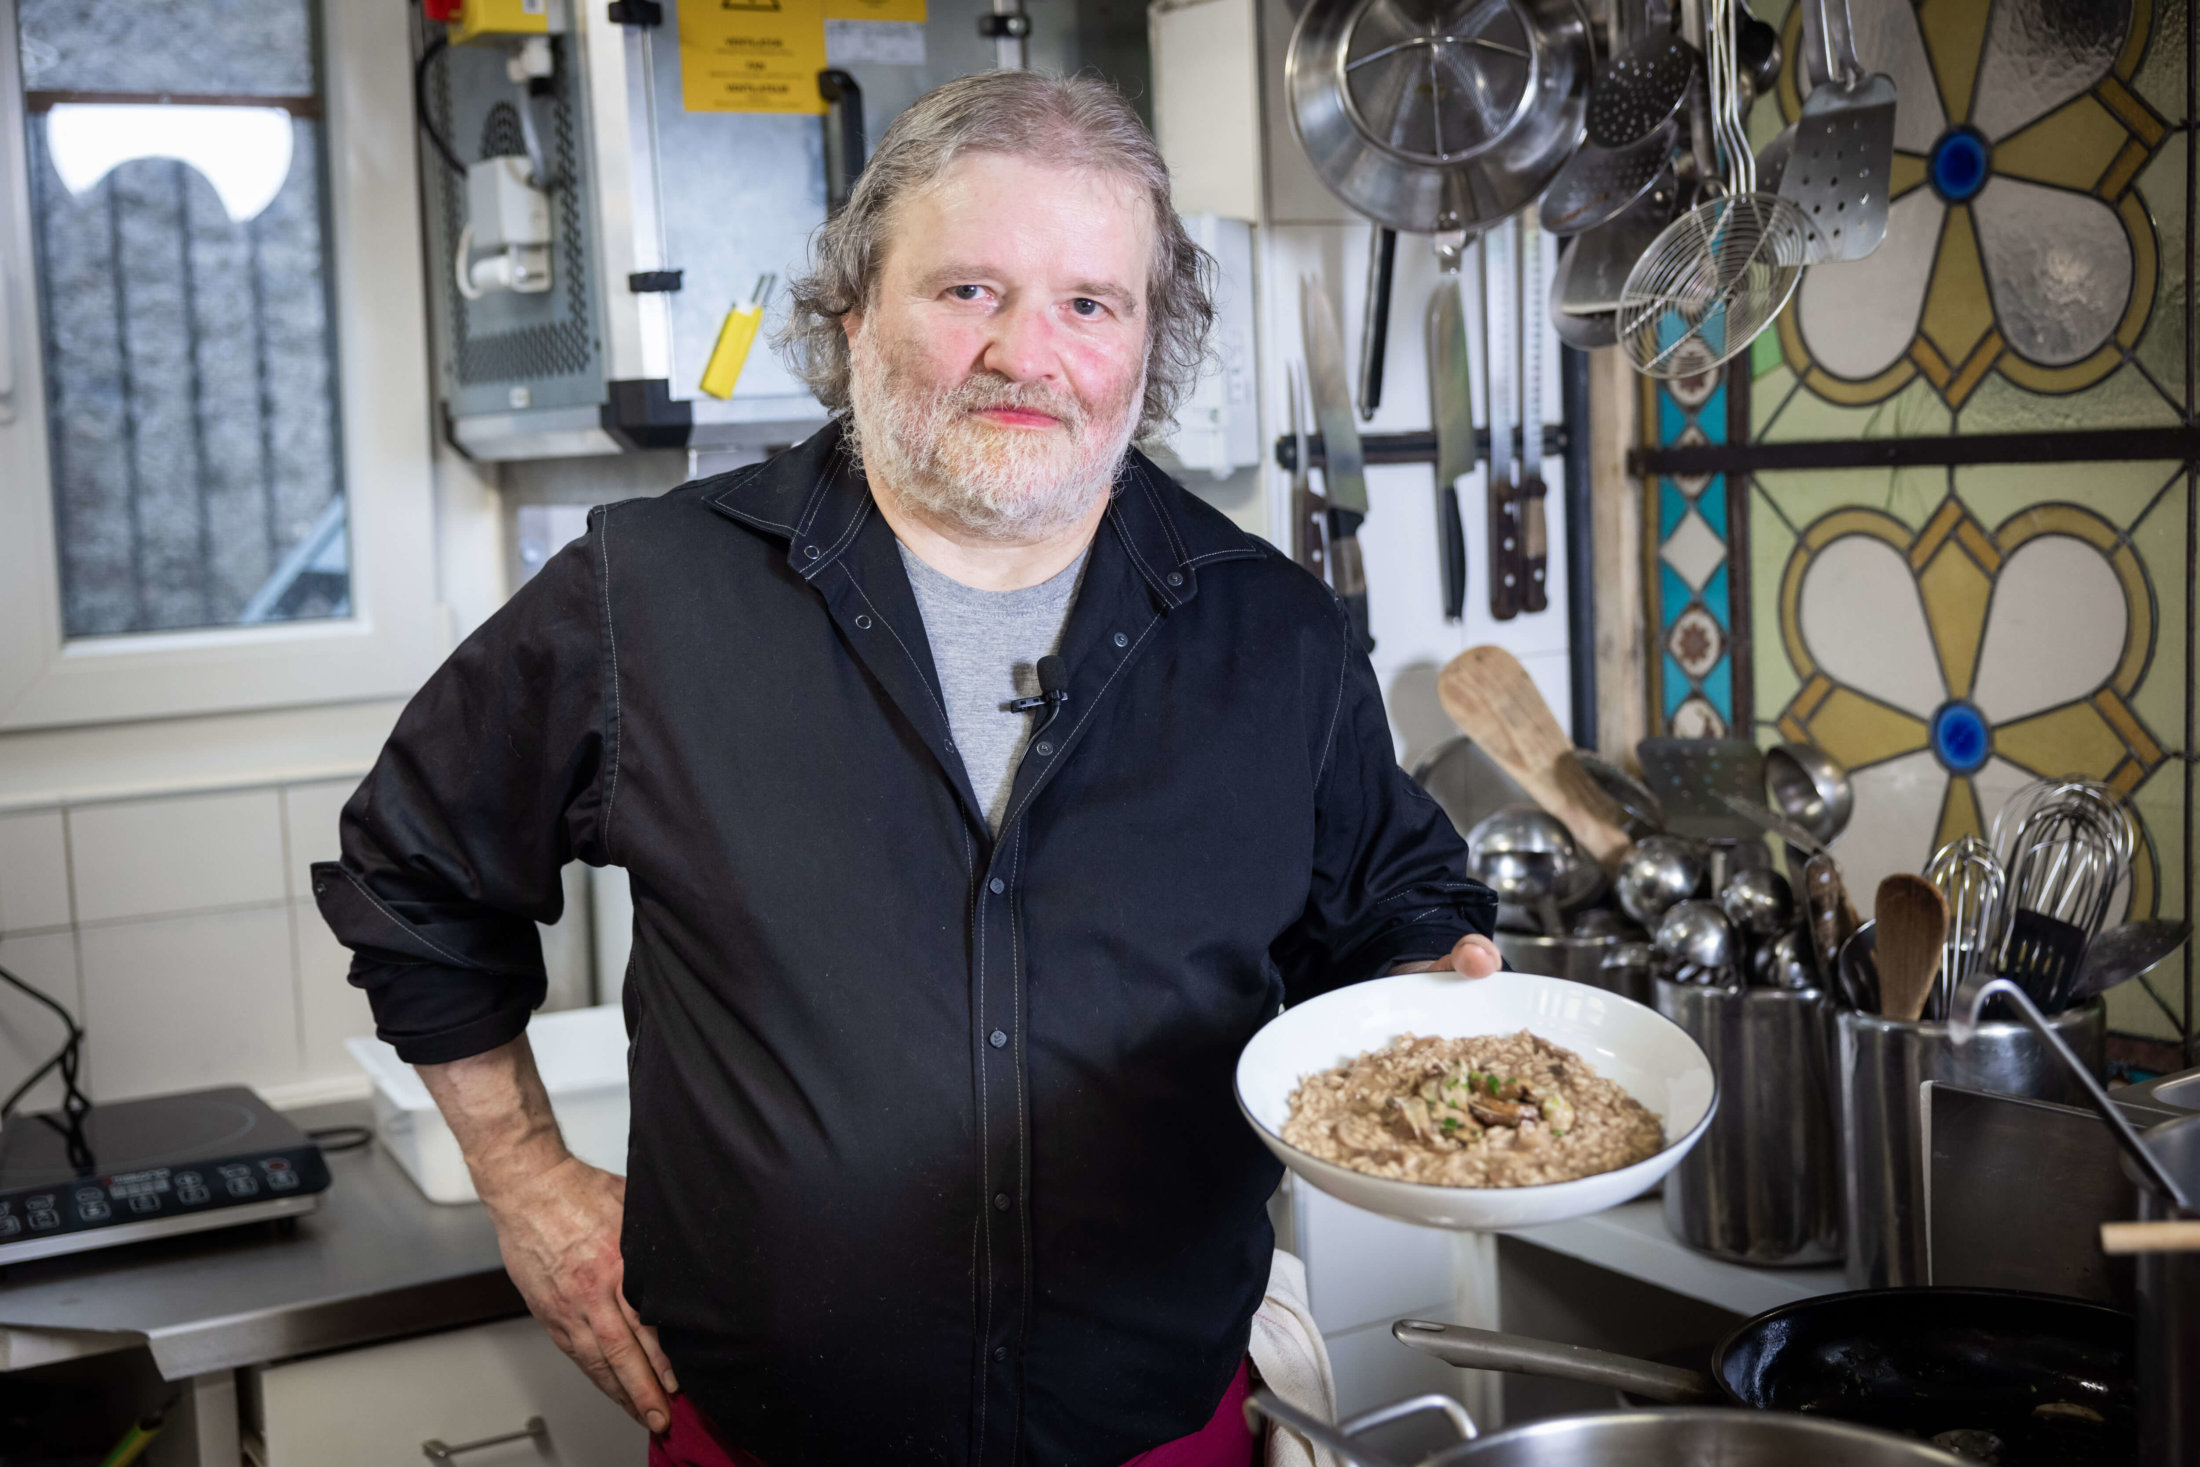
(850, 324)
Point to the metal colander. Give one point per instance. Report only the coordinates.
(1437, 81)
(1719, 274)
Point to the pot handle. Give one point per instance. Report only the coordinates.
(1313, 1428)
(1488, 1349)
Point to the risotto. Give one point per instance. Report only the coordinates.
(1496, 1110)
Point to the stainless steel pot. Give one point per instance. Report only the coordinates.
(2169, 1308)
(1683, 1437)
(1880, 1067)
(1438, 115)
(1579, 959)
(1763, 1186)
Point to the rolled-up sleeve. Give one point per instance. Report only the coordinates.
(1389, 879)
(495, 777)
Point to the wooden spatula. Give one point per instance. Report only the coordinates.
(1913, 923)
(1491, 697)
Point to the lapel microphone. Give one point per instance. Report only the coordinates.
(1053, 691)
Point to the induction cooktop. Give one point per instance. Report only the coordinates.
(135, 1169)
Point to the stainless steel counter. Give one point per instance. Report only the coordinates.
(377, 1260)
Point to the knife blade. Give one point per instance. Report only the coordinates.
(1451, 409)
(1344, 472)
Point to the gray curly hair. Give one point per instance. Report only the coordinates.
(1068, 122)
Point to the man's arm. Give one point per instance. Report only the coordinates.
(494, 778)
(557, 1220)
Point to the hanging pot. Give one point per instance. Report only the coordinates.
(1437, 115)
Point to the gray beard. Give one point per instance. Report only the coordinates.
(1001, 484)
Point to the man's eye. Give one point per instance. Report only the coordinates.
(1085, 306)
(966, 292)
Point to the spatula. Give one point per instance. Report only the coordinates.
(1912, 918)
(1843, 153)
(1491, 697)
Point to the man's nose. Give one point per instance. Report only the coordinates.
(1022, 346)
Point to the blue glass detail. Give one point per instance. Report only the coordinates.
(1672, 504)
(1717, 599)
(1959, 164)
(1961, 738)
(1711, 504)
(1672, 419)
(1718, 686)
(1673, 594)
(1711, 417)
(1677, 685)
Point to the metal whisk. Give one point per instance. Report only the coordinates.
(1970, 876)
(2072, 844)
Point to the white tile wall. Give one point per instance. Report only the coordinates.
(34, 871)
(144, 858)
(29, 1031)
(330, 1010)
(1373, 1369)
(309, 827)
(203, 999)
(1363, 1269)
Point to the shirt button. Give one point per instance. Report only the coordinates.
(1000, 1352)
(863, 622)
(1121, 640)
(1045, 748)
(811, 551)
(997, 1038)
(1176, 578)
(1000, 1202)
(998, 885)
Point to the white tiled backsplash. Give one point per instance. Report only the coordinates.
(181, 932)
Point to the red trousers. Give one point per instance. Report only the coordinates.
(1224, 1441)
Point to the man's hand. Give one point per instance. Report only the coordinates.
(1473, 956)
(557, 1222)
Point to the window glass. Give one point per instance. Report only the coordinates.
(178, 199)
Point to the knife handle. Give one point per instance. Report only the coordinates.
(1505, 559)
(1452, 546)
(1382, 261)
(1534, 548)
(1347, 576)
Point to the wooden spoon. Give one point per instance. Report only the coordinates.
(1490, 696)
(1913, 923)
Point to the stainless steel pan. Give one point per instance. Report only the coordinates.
(1437, 115)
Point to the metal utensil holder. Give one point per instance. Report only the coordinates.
(2168, 1286)
(1763, 1186)
(1580, 959)
(1880, 1068)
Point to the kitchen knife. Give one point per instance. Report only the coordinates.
(1382, 260)
(1534, 537)
(1307, 507)
(1344, 470)
(1451, 409)
(1504, 518)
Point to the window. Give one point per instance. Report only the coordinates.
(214, 446)
(176, 186)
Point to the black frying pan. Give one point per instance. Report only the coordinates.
(2022, 1380)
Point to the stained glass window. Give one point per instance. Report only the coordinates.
(2005, 592)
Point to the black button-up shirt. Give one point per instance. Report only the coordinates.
(935, 1154)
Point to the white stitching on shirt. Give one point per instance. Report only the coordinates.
(832, 551)
(916, 666)
(1168, 526)
(1083, 718)
(1336, 711)
(611, 639)
(1129, 545)
(406, 927)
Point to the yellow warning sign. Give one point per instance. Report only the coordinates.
(752, 55)
(906, 11)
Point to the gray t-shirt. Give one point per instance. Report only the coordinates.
(987, 646)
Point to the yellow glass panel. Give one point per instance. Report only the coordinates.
(2123, 400)
(2072, 739)
(1959, 815)
(1956, 590)
(1858, 730)
(2070, 147)
(1954, 31)
(2159, 542)
(1958, 311)
(1909, 172)
(2118, 492)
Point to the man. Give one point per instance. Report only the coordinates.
(934, 1002)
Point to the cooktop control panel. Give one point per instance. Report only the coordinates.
(165, 1159)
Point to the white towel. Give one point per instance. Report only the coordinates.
(1291, 1360)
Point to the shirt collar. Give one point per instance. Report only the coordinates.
(814, 497)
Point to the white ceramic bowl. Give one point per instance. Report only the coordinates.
(1649, 1055)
